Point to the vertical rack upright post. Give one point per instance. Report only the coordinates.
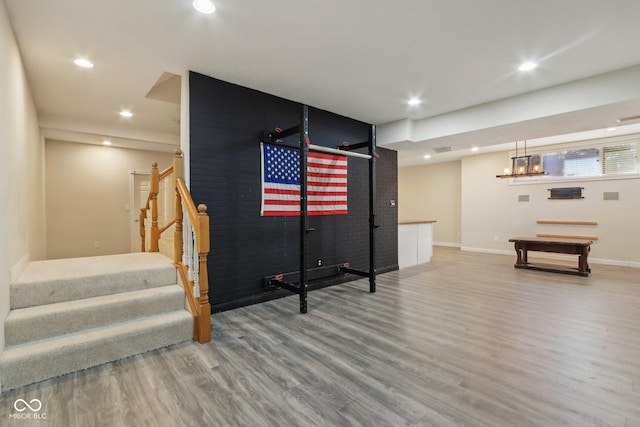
(304, 150)
(372, 208)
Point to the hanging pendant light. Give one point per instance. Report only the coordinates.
(523, 166)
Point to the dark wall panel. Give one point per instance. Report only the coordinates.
(387, 210)
(225, 124)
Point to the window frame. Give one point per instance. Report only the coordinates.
(598, 144)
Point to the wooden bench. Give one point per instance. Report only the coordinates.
(560, 246)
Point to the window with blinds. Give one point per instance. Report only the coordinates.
(596, 160)
(620, 159)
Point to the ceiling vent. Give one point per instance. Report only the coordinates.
(440, 150)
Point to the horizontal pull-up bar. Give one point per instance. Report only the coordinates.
(336, 151)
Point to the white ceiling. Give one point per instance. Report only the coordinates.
(358, 58)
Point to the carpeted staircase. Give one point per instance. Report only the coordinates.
(70, 314)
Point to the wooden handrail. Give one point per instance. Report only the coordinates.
(152, 204)
(183, 273)
(200, 223)
(167, 225)
(165, 173)
(189, 206)
(199, 305)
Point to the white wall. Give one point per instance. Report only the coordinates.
(432, 192)
(87, 195)
(491, 212)
(22, 232)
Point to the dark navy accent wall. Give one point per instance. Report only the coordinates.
(387, 215)
(225, 125)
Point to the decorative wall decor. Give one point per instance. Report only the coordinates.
(566, 193)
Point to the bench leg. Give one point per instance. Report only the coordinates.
(521, 253)
(583, 263)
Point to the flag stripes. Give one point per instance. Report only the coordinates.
(326, 182)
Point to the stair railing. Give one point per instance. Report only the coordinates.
(152, 204)
(189, 252)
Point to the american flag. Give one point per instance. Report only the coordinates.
(326, 182)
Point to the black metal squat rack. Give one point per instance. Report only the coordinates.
(300, 288)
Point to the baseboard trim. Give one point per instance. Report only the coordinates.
(447, 244)
(387, 269)
(18, 269)
(614, 262)
(487, 251)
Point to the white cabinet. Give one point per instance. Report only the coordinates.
(415, 243)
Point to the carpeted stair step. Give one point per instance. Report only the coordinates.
(38, 360)
(52, 281)
(46, 321)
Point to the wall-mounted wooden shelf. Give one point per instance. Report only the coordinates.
(566, 236)
(562, 222)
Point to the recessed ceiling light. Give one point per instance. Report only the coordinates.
(414, 101)
(204, 6)
(527, 66)
(474, 148)
(107, 143)
(126, 114)
(83, 62)
(426, 156)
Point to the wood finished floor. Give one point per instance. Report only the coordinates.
(464, 341)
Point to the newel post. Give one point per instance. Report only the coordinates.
(204, 316)
(155, 188)
(143, 237)
(178, 172)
